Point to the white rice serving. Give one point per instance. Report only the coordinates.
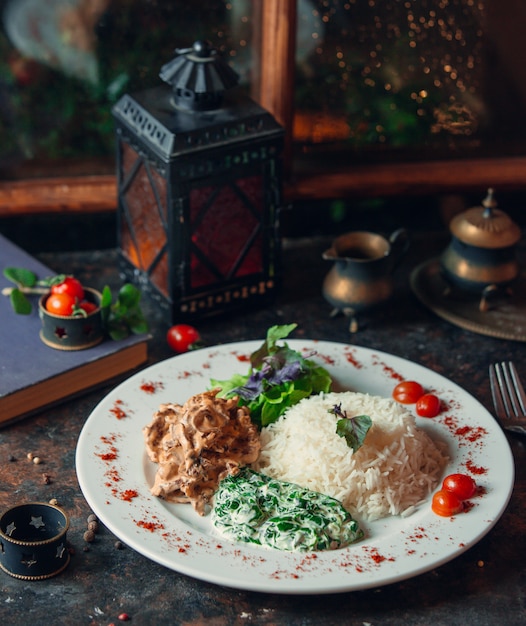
(397, 466)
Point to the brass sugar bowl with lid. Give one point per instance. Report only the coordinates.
(481, 257)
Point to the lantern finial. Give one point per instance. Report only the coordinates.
(198, 77)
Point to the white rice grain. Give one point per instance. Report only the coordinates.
(396, 468)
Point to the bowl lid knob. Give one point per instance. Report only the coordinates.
(486, 226)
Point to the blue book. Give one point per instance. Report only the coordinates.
(34, 376)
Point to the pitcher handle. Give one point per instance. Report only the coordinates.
(400, 242)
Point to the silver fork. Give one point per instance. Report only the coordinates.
(508, 395)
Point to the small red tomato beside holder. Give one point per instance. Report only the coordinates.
(72, 332)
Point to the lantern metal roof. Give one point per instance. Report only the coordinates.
(198, 77)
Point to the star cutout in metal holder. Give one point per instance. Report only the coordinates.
(37, 522)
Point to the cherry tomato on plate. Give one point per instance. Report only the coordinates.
(446, 504)
(183, 337)
(428, 405)
(460, 485)
(408, 392)
(71, 286)
(61, 303)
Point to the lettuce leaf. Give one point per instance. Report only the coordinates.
(278, 378)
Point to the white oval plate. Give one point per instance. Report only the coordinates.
(115, 476)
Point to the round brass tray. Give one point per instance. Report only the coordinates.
(505, 318)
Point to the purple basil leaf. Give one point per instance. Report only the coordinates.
(289, 372)
(252, 388)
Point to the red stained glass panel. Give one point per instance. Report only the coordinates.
(226, 224)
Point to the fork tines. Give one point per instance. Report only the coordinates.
(508, 393)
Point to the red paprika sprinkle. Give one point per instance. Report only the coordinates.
(110, 439)
(326, 359)
(151, 387)
(113, 475)
(471, 433)
(117, 411)
(151, 526)
(109, 456)
(377, 557)
(390, 371)
(475, 469)
(352, 360)
(112, 453)
(129, 494)
(451, 423)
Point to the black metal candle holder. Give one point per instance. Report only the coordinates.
(33, 541)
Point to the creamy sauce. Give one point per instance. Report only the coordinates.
(255, 508)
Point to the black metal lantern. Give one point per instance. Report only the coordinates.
(200, 189)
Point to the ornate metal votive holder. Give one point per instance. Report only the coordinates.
(33, 542)
(66, 332)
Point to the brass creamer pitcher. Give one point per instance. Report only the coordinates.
(361, 277)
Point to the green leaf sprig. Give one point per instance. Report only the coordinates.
(352, 429)
(278, 378)
(120, 318)
(124, 316)
(26, 283)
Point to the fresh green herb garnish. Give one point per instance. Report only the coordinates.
(26, 283)
(278, 378)
(352, 429)
(124, 316)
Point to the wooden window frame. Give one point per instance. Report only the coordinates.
(276, 40)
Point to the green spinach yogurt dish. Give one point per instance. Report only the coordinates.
(255, 508)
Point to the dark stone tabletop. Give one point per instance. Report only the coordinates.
(484, 585)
